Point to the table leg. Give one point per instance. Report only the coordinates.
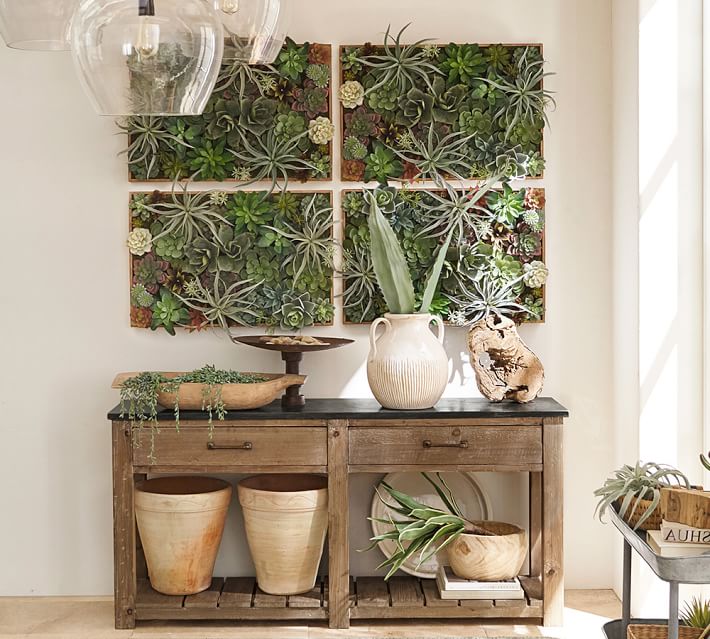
(338, 544)
(124, 528)
(673, 612)
(552, 518)
(626, 593)
(535, 525)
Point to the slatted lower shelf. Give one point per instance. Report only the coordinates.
(371, 598)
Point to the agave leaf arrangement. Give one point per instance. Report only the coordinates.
(696, 614)
(419, 530)
(630, 484)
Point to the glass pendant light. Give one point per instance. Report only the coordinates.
(255, 29)
(147, 57)
(37, 25)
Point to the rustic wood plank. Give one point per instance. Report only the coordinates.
(689, 507)
(289, 446)
(458, 612)
(513, 446)
(444, 468)
(312, 599)
(338, 517)
(149, 598)
(372, 592)
(236, 614)
(432, 599)
(241, 469)
(264, 600)
(124, 527)
(238, 592)
(405, 592)
(208, 598)
(552, 517)
(445, 422)
(535, 486)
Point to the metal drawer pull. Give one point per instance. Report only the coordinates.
(427, 444)
(244, 446)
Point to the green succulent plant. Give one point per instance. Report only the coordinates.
(186, 131)
(168, 312)
(629, 484)
(287, 204)
(139, 207)
(150, 272)
(415, 107)
(319, 74)
(463, 63)
(262, 267)
(296, 312)
(293, 60)
(498, 57)
(321, 165)
(696, 614)
(147, 134)
(384, 99)
(507, 205)
(353, 203)
(354, 149)
(361, 124)
(476, 122)
(311, 100)
(250, 210)
(448, 101)
(350, 59)
(289, 125)
(420, 530)
(141, 297)
(536, 165)
(237, 75)
(221, 117)
(210, 161)
(257, 114)
(382, 164)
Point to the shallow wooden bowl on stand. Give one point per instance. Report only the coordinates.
(292, 354)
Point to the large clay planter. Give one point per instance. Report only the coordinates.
(408, 367)
(181, 521)
(286, 520)
(483, 558)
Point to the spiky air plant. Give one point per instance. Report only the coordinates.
(359, 281)
(696, 614)
(145, 134)
(526, 98)
(188, 215)
(403, 66)
(236, 75)
(438, 155)
(481, 297)
(223, 303)
(313, 243)
(271, 157)
(459, 210)
(420, 530)
(630, 484)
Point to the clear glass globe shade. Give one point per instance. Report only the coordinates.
(38, 25)
(162, 64)
(255, 29)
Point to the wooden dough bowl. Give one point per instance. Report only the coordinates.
(234, 396)
(489, 558)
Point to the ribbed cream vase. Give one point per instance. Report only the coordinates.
(181, 521)
(286, 520)
(407, 367)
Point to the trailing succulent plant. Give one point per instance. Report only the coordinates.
(488, 266)
(487, 98)
(205, 259)
(255, 118)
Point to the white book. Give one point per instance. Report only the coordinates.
(450, 581)
(478, 594)
(674, 549)
(680, 533)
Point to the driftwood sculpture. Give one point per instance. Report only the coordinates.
(505, 367)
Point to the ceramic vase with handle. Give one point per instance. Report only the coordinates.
(407, 367)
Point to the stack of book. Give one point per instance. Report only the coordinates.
(679, 540)
(453, 587)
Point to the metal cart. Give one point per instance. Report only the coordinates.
(674, 570)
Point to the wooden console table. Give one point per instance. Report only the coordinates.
(339, 437)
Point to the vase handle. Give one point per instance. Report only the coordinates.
(440, 325)
(373, 333)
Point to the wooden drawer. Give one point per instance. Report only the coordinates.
(463, 445)
(273, 446)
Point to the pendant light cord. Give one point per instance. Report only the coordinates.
(146, 8)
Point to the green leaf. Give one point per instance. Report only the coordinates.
(435, 274)
(389, 263)
(448, 502)
(404, 500)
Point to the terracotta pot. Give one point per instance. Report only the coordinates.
(181, 521)
(494, 558)
(286, 520)
(408, 367)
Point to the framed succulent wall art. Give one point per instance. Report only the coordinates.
(262, 123)
(495, 260)
(417, 111)
(243, 258)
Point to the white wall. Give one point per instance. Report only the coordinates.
(65, 308)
